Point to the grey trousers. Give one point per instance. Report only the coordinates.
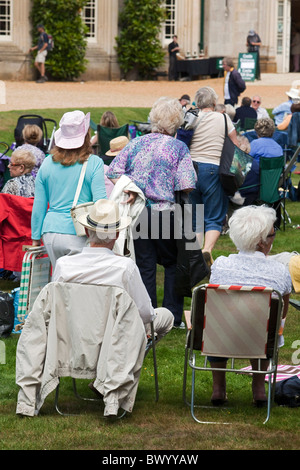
(61, 244)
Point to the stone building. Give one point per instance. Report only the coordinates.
(210, 27)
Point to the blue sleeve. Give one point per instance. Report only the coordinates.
(98, 181)
(40, 207)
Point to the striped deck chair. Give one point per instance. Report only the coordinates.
(35, 274)
(235, 322)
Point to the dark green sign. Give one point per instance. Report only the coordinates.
(247, 66)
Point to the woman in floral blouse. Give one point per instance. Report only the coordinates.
(22, 182)
(159, 165)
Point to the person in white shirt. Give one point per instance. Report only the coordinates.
(98, 264)
(260, 111)
(251, 229)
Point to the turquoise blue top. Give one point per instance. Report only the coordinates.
(55, 185)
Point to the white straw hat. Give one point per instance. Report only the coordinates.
(104, 217)
(74, 126)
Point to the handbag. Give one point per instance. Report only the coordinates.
(191, 267)
(80, 209)
(234, 165)
(191, 122)
(7, 314)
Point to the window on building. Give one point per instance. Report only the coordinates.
(280, 22)
(169, 26)
(5, 19)
(89, 17)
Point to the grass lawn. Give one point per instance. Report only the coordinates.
(166, 424)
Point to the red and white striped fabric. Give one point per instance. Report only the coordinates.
(283, 372)
(236, 321)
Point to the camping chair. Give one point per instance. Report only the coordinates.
(271, 170)
(224, 322)
(106, 134)
(47, 140)
(249, 123)
(149, 346)
(4, 161)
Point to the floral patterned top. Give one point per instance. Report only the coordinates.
(159, 165)
(20, 186)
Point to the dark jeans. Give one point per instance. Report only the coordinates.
(158, 250)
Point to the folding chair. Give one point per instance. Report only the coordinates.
(249, 124)
(271, 170)
(4, 161)
(150, 346)
(47, 139)
(235, 322)
(84, 332)
(106, 134)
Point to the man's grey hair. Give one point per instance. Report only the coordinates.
(206, 97)
(98, 237)
(251, 225)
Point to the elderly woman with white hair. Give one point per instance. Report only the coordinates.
(159, 165)
(252, 231)
(20, 167)
(206, 148)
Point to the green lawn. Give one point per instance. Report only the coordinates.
(167, 424)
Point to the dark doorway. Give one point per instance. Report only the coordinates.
(295, 36)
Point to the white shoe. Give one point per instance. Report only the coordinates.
(180, 327)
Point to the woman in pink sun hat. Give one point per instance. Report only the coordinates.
(56, 184)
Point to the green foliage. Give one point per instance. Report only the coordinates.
(138, 46)
(62, 20)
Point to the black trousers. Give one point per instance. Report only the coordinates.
(157, 245)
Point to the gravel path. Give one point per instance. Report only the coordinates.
(31, 95)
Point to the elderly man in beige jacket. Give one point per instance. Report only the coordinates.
(114, 352)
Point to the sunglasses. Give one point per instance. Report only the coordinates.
(255, 101)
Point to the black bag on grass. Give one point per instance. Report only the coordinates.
(287, 392)
(7, 314)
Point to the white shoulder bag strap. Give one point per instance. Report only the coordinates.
(80, 182)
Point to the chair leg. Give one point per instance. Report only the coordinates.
(56, 403)
(154, 363)
(123, 413)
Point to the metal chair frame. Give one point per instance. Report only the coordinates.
(150, 346)
(194, 345)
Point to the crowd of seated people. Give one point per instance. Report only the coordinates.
(159, 165)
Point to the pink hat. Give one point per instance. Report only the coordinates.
(73, 128)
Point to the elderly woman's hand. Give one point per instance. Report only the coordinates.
(131, 197)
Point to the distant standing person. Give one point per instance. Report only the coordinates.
(253, 45)
(173, 49)
(41, 47)
(234, 84)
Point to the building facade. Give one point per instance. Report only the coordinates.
(210, 27)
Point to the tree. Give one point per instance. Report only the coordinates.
(61, 19)
(138, 47)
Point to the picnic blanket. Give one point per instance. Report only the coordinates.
(283, 372)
